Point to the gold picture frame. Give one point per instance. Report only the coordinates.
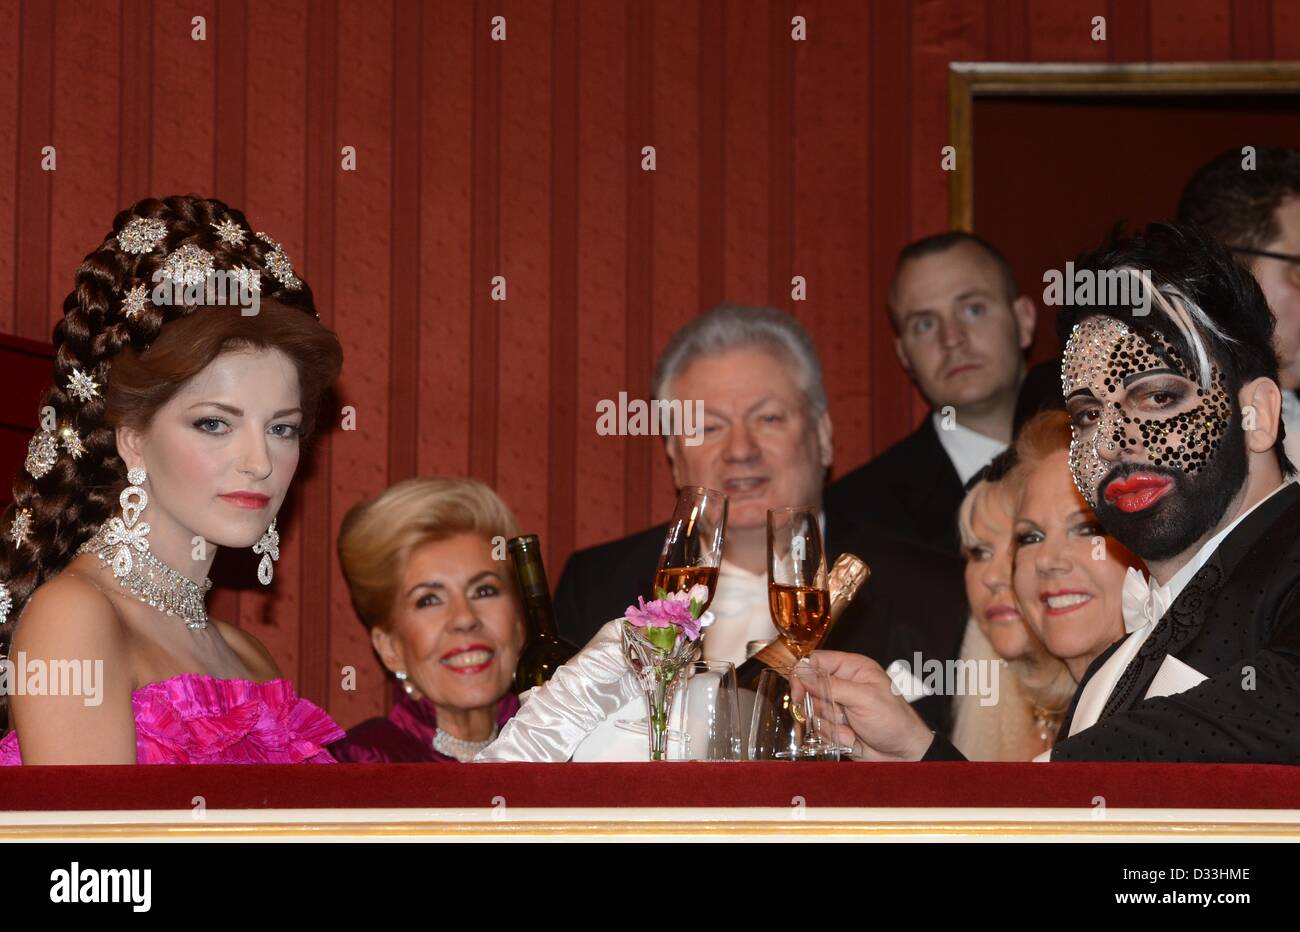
(970, 80)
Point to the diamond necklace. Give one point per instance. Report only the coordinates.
(459, 748)
(155, 583)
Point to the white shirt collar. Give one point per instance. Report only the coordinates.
(969, 450)
(1291, 418)
(1290, 409)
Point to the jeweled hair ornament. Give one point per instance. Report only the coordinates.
(72, 441)
(135, 301)
(278, 264)
(21, 527)
(141, 235)
(42, 454)
(229, 232)
(82, 386)
(188, 265)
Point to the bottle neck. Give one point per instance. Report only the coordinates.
(533, 588)
(538, 615)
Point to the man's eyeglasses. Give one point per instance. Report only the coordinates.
(1285, 257)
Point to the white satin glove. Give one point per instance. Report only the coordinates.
(555, 718)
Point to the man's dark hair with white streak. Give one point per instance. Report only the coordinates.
(1198, 315)
(1226, 319)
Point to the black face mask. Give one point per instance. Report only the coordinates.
(1192, 509)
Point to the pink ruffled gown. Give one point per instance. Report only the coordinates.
(198, 719)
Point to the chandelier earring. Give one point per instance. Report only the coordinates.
(269, 548)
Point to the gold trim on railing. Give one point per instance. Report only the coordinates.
(164, 830)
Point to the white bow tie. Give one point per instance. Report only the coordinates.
(1142, 603)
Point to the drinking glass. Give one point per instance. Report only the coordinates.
(704, 720)
(798, 595)
(692, 550)
(787, 722)
(706, 714)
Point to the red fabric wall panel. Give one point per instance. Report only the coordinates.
(675, 298)
(1128, 30)
(602, 266)
(1285, 32)
(10, 42)
(829, 226)
(942, 32)
(363, 311)
(1061, 30)
(524, 420)
(444, 274)
(85, 113)
(522, 158)
(888, 50)
(1191, 30)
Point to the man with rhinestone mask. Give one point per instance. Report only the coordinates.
(1178, 446)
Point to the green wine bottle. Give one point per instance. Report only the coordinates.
(544, 650)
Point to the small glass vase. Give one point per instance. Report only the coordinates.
(658, 665)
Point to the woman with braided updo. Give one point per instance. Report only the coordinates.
(173, 428)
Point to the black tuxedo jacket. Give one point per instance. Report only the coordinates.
(912, 488)
(1237, 622)
(914, 600)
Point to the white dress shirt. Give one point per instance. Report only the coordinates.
(969, 450)
(1180, 677)
(741, 607)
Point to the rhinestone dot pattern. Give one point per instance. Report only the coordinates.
(1100, 354)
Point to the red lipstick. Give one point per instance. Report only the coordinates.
(469, 669)
(1049, 609)
(1138, 491)
(242, 499)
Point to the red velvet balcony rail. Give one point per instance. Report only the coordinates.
(352, 786)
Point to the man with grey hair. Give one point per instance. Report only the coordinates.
(766, 443)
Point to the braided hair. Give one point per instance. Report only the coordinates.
(140, 354)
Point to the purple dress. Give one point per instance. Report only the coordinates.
(194, 718)
(406, 735)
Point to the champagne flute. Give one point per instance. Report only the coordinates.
(799, 598)
(692, 550)
(797, 590)
(692, 553)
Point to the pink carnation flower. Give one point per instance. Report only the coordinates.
(675, 609)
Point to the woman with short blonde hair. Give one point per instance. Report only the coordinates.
(430, 579)
(1034, 698)
(1069, 573)
(1033, 686)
